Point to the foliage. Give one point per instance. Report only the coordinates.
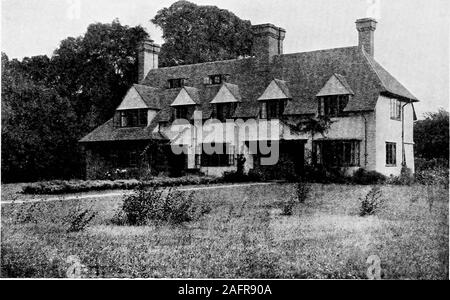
(372, 202)
(77, 186)
(79, 219)
(365, 177)
(48, 104)
(431, 136)
(196, 33)
(302, 190)
(162, 205)
(313, 126)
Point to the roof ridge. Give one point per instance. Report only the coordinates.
(319, 50)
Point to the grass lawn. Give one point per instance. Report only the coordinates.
(244, 236)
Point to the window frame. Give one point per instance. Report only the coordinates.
(227, 159)
(131, 118)
(272, 109)
(391, 154)
(395, 109)
(336, 110)
(341, 153)
(176, 83)
(225, 111)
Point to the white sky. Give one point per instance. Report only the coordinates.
(411, 41)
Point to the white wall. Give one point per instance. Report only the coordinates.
(388, 130)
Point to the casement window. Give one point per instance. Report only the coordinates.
(225, 111)
(176, 83)
(396, 109)
(272, 109)
(181, 112)
(224, 158)
(333, 106)
(131, 118)
(214, 79)
(124, 159)
(391, 154)
(337, 153)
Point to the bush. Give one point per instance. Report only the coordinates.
(161, 205)
(302, 190)
(365, 177)
(372, 202)
(79, 219)
(77, 186)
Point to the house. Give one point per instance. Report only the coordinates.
(202, 117)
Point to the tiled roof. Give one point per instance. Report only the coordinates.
(149, 95)
(228, 93)
(108, 133)
(336, 85)
(301, 76)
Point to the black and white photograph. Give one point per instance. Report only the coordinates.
(216, 140)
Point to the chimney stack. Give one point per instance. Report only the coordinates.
(366, 28)
(147, 58)
(268, 41)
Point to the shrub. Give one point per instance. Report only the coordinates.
(78, 219)
(365, 177)
(160, 205)
(287, 207)
(302, 190)
(234, 176)
(372, 202)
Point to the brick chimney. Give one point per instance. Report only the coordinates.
(366, 28)
(268, 41)
(147, 58)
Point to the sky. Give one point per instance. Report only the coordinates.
(411, 40)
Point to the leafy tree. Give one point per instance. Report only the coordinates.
(96, 70)
(431, 136)
(196, 34)
(37, 129)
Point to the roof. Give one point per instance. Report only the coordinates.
(336, 85)
(299, 76)
(277, 89)
(150, 95)
(187, 96)
(108, 133)
(228, 93)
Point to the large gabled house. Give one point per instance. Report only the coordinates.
(174, 116)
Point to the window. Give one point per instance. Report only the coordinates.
(337, 153)
(131, 118)
(181, 112)
(332, 106)
(223, 159)
(225, 111)
(396, 109)
(215, 79)
(391, 154)
(272, 109)
(124, 159)
(176, 83)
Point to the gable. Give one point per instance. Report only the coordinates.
(132, 100)
(336, 85)
(183, 99)
(228, 93)
(275, 91)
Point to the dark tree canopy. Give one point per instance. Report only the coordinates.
(196, 34)
(431, 136)
(48, 104)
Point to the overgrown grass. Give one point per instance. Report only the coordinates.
(244, 236)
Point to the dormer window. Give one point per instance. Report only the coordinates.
(131, 118)
(225, 111)
(334, 96)
(332, 106)
(215, 79)
(272, 109)
(184, 112)
(176, 83)
(274, 100)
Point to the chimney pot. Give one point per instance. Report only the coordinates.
(366, 28)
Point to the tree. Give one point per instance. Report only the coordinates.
(95, 71)
(196, 34)
(37, 129)
(431, 136)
